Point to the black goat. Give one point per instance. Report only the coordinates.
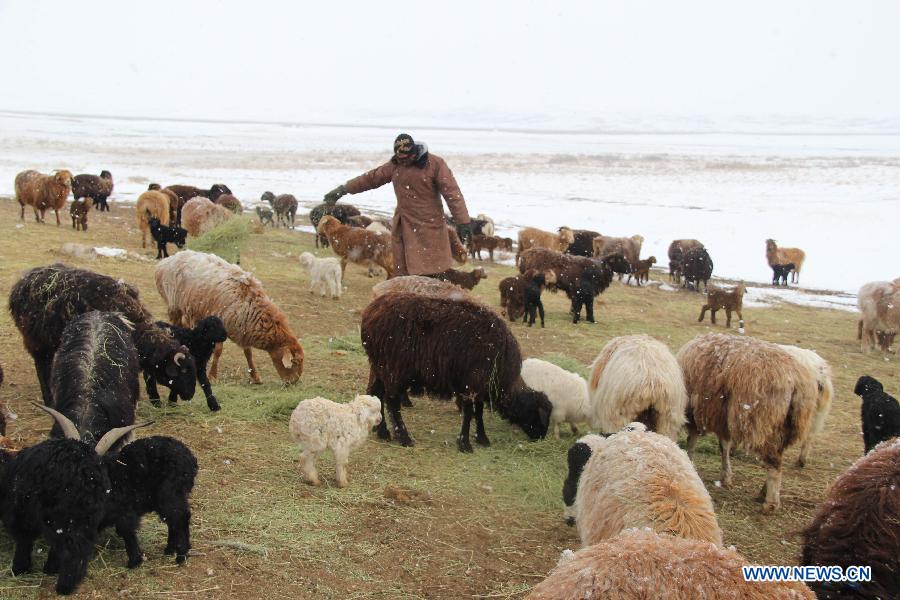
(163, 234)
(45, 299)
(94, 381)
(781, 272)
(533, 304)
(201, 341)
(880, 412)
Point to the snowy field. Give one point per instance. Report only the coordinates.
(827, 194)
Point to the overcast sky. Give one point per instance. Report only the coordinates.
(339, 61)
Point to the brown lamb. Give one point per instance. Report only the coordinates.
(512, 292)
(461, 278)
(642, 270)
(731, 300)
(43, 192)
(489, 243)
(79, 211)
(356, 245)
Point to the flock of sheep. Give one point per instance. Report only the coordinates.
(645, 519)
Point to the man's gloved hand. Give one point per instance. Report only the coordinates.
(465, 231)
(335, 194)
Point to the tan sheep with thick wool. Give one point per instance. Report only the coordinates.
(196, 285)
(636, 378)
(151, 205)
(640, 564)
(200, 215)
(821, 370)
(531, 237)
(785, 256)
(637, 478)
(752, 394)
(43, 192)
(318, 424)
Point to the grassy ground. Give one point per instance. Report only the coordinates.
(422, 522)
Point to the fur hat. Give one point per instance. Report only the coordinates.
(404, 144)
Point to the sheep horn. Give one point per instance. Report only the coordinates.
(179, 356)
(68, 427)
(114, 435)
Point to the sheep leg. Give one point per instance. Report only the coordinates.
(726, 473)
(693, 436)
(773, 486)
(51, 566)
(804, 451)
(343, 267)
(57, 216)
(211, 401)
(540, 307)
(127, 530)
(481, 437)
(375, 387)
(712, 312)
(462, 440)
(22, 558)
(574, 428)
(556, 430)
(727, 317)
(214, 367)
(589, 309)
(400, 432)
(308, 467)
(340, 464)
(703, 313)
(152, 391)
(254, 374)
(177, 515)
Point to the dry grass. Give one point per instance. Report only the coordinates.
(489, 524)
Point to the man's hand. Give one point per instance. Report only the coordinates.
(335, 194)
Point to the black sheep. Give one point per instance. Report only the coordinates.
(583, 244)
(201, 341)
(880, 412)
(341, 212)
(583, 297)
(696, 266)
(164, 234)
(96, 188)
(532, 296)
(448, 347)
(45, 299)
(781, 272)
(94, 381)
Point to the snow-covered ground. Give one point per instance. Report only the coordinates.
(834, 196)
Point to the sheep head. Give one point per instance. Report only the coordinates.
(530, 410)
(326, 224)
(566, 238)
(306, 259)
(71, 432)
(368, 410)
(63, 178)
(288, 361)
(105, 175)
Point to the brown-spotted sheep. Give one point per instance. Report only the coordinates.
(195, 285)
(783, 256)
(43, 192)
(151, 205)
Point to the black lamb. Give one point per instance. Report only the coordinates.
(201, 341)
(533, 304)
(781, 272)
(45, 299)
(880, 412)
(589, 284)
(163, 234)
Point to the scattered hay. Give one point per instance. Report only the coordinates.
(225, 241)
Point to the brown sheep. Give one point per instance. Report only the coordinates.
(568, 269)
(642, 270)
(462, 279)
(676, 251)
(361, 221)
(782, 256)
(359, 246)
(200, 215)
(879, 304)
(43, 192)
(489, 243)
(749, 393)
(98, 189)
(186, 192)
(151, 205)
(731, 300)
(530, 237)
(285, 207)
(629, 248)
(512, 292)
(79, 212)
(857, 524)
(231, 203)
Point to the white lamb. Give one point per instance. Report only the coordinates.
(567, 392)
(324, 274)
(318, 424)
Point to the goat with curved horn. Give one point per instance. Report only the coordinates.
(68, 428)
(114, 435)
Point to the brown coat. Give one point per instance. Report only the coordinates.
(421, 245)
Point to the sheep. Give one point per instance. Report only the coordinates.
(462, 279)
(285, 207)
(583, 297)
(200, 215)
(164, 235)
(512, 291)
(532, 298)
(780, 273)
(483, 242)
(486, 225)
(461, 347)
(98, 189)
(184, 193)
(582, 242)
(45, 299)
(637, 478)
(696, 267)
(783, 256)
(324, 274)
(676, 252)
(576, 458)
(879, 303)
(79, 212)
(731, 300)
(151, 205)
(640, 564)
(568, 269)
(265, 215)
(94, 380)
(821, 371)
(341, 212)
(361, 221)
(359, 246)
(529, 237)
(231, 203)
(636, 378)
(566, 391)
(629, 249)
(750, 393)
(195, 285)
(201, 341)
(318, 424)
(857, 524)
(420, 284)
(42, 192)
(58, 489)
(880, 413)
(642, 270)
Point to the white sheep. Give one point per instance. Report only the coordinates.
(324, 274)
(318, 424)
(567, 392)
(637, 478)
(636, 378)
